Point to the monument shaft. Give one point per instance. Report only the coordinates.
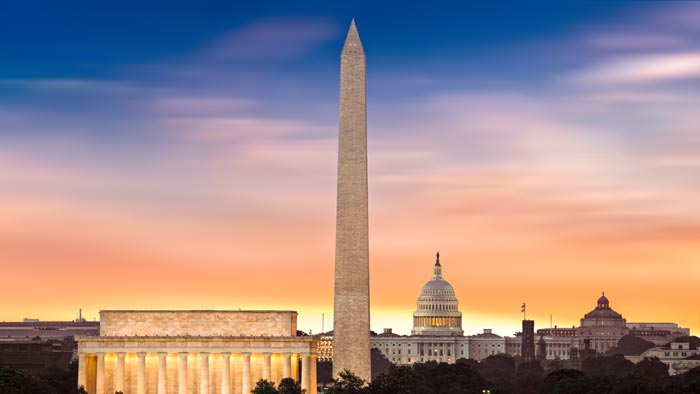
(351, 347)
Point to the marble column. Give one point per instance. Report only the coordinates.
(267, 366)
(226, 373)
(287, 372)
(121, 364)
(182, 374)
(245, 379)
(312, 374)
(141, 374)
(82, 370)
(100, 381)
(162, 372)
(204, 373)
(305, 372)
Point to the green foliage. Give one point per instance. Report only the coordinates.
(616, 365)
(17, 382)
(398, 380)
(429, 378)
(324, 371)
(558, 379)
(289, 386)
(348, 383)
(264, 387)
(499, 370)
(499, 374)
(630, 345)
(379, 364)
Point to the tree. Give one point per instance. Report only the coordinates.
(629, 345)
(559, 378)
(18, 382)
(651, 370)
(499, 370)
(348, 383)
(443, 378)
(62, 381)
(398, 380)
(379, 364)
(264, 387)
(616, 365)
(528, 378)
(324, 371)
(289, 386)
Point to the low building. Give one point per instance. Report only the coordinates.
(658, 333)
(217, 352)
(35, 346)
(437, 333)
(679, 357)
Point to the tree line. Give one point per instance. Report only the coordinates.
(498, 374)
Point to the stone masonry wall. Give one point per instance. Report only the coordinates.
(198, 323)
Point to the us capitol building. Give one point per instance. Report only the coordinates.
(437, 333)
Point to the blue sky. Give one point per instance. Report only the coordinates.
(528, 138)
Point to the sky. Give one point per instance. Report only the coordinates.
(183, 155)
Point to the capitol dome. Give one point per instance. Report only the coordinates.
(438, 309)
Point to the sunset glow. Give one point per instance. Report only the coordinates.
(197, 169)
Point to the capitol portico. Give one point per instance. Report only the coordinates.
(194, 352)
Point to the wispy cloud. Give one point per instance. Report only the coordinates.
(641, 69)
(81, 85)
(272, 39)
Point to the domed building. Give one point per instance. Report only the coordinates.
(602, 327)
(437, 312)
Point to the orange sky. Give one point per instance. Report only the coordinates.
(262, 237)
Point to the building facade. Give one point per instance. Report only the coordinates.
(602, 327)
(679, 357)
(437, 333)
(194, 352)
(528, 341)
(35, 346)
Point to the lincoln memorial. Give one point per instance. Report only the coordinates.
(194, 352)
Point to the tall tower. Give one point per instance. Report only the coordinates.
(527, 339)
(351, 348)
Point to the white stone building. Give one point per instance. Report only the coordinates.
(194, 352)
(437, 333)
(679, 357)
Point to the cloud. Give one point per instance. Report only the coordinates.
(272, 39)
(188, 105)
(237, 130)
(79, 85)
(640, 69)
(628, 40)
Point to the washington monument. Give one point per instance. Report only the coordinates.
(351, 348)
